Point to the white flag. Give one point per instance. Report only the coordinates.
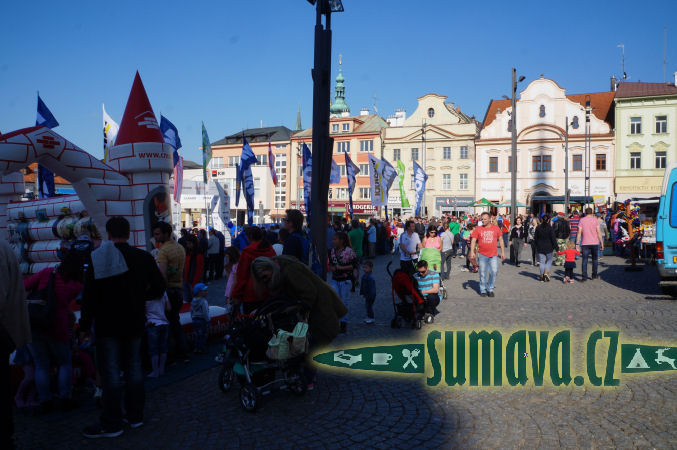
(378, 195)
(110, 132)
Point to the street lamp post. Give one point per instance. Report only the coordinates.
(513, 163)
(566, 166)
(588, 144)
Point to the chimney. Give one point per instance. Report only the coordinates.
(364, 112)
(613, 83)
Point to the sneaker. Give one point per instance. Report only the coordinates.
(595, 277)
(546, 276)
(133, 425)
(565, 280)
(491, 294)
(571, 280)
(369, 320)
(483, 294)
(97, 431)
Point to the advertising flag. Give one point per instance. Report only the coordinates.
(307, 178)
(400, 175)
(420, 177)
(45, 118)
(178, 180)
(171, 136)
(351, 172)
(335, 176)
(238, 183)
(206, 152)
(110, 131)
(389, 174)
(247, 158)
(271, 163)
(378, 197)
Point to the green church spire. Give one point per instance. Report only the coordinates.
(339, 108)
(298, 120)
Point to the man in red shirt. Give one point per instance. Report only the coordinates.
(486, 237)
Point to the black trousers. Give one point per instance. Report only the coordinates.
(6, 424)
(431, 302)
(178, 347)
(213, 262)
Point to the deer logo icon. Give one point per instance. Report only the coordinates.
(660, 358)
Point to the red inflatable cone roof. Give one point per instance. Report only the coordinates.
(138, 123)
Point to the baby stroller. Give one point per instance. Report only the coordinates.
(434, 259)
(265, 352)
(408, 303)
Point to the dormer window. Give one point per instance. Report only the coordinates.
(541, 111)
(431, 112)
(574, 123)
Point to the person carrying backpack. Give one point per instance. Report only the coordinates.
(562, 232)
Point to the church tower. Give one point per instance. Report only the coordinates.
(339, 108)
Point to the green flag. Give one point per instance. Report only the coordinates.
(400, 176)
(206, 152)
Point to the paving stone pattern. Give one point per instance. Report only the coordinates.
(358, 411)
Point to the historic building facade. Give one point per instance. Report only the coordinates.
(440, 138)
(646, 137)
(542, 111)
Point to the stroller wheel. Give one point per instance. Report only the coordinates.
(299, 386)
(429, 318)
(226, 378)
(444, 294)
(417, 324)
(249, 397)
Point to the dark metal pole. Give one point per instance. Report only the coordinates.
(566, 166)
(587, 150)
(513, 164)
(322, 144)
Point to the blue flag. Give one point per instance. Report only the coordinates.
(247, 158)
(307, 178)
(335, 175)
(171, 136)
(45, 118)
(46, 182)
(420, 177)
(351, 172)
(238, 183)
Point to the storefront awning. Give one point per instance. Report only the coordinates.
(623, 197)
(559, 199)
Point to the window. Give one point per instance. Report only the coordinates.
(493, 164)
(365, 193)
(635, 160)
(414, 154)
(281, 188)
(541, 163)
(343, 147)
(413, 182)
(396, 154)
(600, 161)
(232, 160)
(346, 127)
(446, 153)
(446, 181)
(261, 160)
(431, 113)
(364, 170)
(574, 123)
(463, 181)
(334, 128)
(635, 125)
(257, 189)
(673, 210)
(464, 152)
(342, 170)
(510, 125)
(661, 124)
(217, 163)
(366, 146)
(341, 193)
(660, 160)
(577, 163)
(541, 111)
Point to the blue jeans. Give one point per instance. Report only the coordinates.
(586, 251)
(45, 351)
(116, 354)
(342, 288)
(488, 272)
(545, 262)
(369, 303)
(157, 339)
(464, 246)
(200, 330)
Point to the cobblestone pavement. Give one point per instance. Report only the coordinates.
(347, 410)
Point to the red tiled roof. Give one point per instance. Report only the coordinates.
(639, 89)
(602, 104)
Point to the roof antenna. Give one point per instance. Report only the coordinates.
(374, 98)
(622, 46)
(665, 49)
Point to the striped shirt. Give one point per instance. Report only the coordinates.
(425, 283)
(573, 224)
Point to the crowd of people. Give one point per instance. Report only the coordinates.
(130, 300)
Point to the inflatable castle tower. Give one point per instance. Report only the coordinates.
(133, 184)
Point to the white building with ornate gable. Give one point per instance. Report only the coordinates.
(542, 110)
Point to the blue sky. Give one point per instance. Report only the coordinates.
(233, 64)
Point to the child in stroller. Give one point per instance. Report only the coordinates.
(408, 303)
(265, 351)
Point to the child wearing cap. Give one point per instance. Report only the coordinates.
(199, 314)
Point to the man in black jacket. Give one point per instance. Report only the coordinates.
(122, 279)
(562, 232)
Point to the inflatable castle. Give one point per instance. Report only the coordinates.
(134, 183)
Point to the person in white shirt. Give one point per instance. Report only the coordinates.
(410, 243)
(447, 251)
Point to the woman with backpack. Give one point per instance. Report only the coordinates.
(58, 287)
